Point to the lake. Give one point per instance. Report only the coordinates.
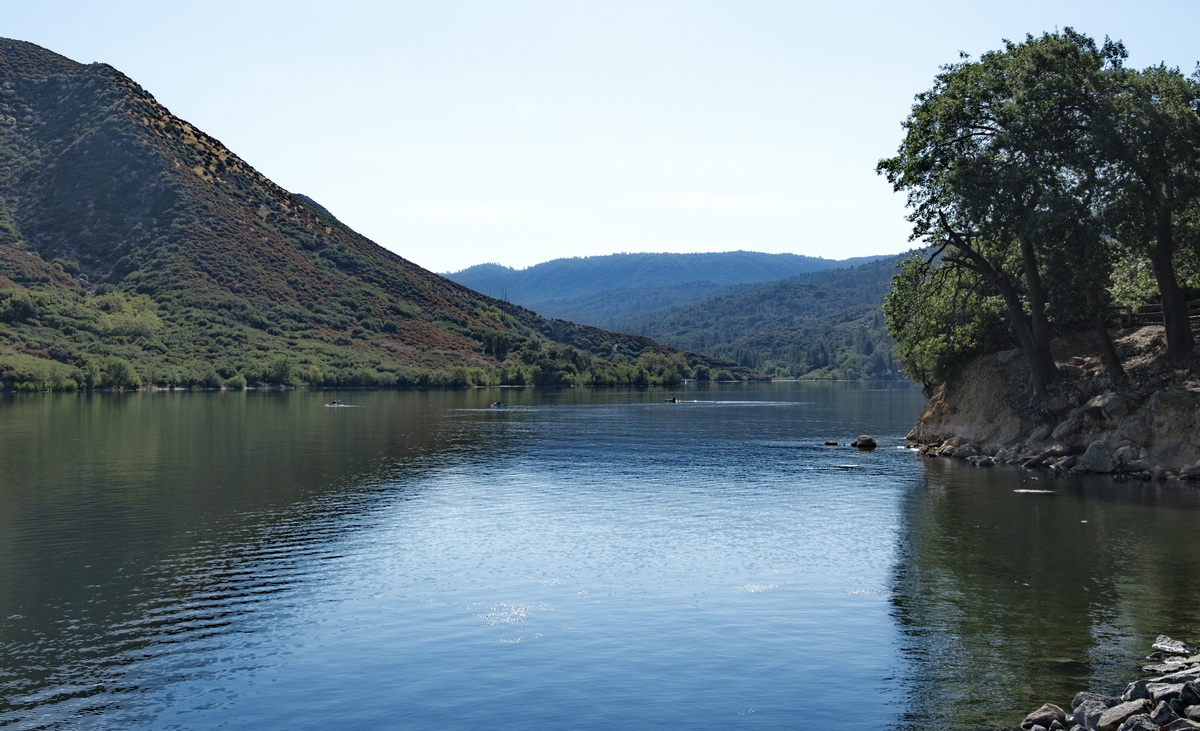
(579, 558)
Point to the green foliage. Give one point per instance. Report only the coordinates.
(941, 316)
(1031, 172)
(824, 325)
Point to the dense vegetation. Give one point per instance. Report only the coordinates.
(784, 315)
(135, 249)
(1051, 183)
(824, 325)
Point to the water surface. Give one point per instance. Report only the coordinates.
(578, 559)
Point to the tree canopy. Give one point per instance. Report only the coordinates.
(1027, 172)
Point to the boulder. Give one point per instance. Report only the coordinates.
(864, 442)
(1166, 402)
(1164, 714)
(1111, 406)
(1112, 718)
(1088, 707)
(1171, 646)
(1058, 405)
(1068, 427)
(1140, 722)
(1136, 690)
(1136, 432)
(1045, 716)
(1099, 457)
(965, 451)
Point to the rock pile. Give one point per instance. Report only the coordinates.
(1169, 701)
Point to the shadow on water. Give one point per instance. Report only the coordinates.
(1007, 600)
(136, 529)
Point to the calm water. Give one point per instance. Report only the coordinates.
(580, 559)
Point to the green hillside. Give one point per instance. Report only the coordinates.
(135, 249)
(820, 325)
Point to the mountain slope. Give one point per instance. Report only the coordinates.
(130, 240)
(613, 291)
(819, 325)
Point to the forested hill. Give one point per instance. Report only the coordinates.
(574, 277)
(818, 325)
(136, 249)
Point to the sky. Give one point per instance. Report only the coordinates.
(459, 132)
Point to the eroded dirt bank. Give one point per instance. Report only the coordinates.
(1147, 428)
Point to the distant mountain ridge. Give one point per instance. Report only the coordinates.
(786, 315)
(612, 288)
(134, 248)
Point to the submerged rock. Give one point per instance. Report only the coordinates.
(864, 441)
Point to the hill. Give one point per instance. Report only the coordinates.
(826, 324)
(620, 291)
(134, 248)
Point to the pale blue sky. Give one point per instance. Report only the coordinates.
(461, 132)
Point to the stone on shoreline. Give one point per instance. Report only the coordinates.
(1169, 701)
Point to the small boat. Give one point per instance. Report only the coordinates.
(499, 405)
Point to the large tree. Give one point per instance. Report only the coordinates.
(1150, 143)
(992, 157)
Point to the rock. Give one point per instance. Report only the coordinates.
(983, 461)
(1140, 722)
(966, 450)
(1088, 707)
(1166, 402)
(1058, 406)
(1180, 725)
(1099, 457)
(1171, 646)
(1035, 462)
(1136, 690)
(1136, 431)
(1189, 697)
(1045, 716)
(1163, 714)
(1164, 692)
(1112, 718)
(1039, 434)
(1112, 406)
(864, 442)
(1190, 472)
(1126, 455)
(1069, 426)
(830, 443)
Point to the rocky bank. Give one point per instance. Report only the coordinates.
(1167, 700)
(1147, 428)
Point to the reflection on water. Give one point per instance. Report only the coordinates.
(581, 558)
(1014, 589)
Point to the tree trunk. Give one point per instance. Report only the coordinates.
(1038, 324)
(1174, 304)
(1108, 353)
